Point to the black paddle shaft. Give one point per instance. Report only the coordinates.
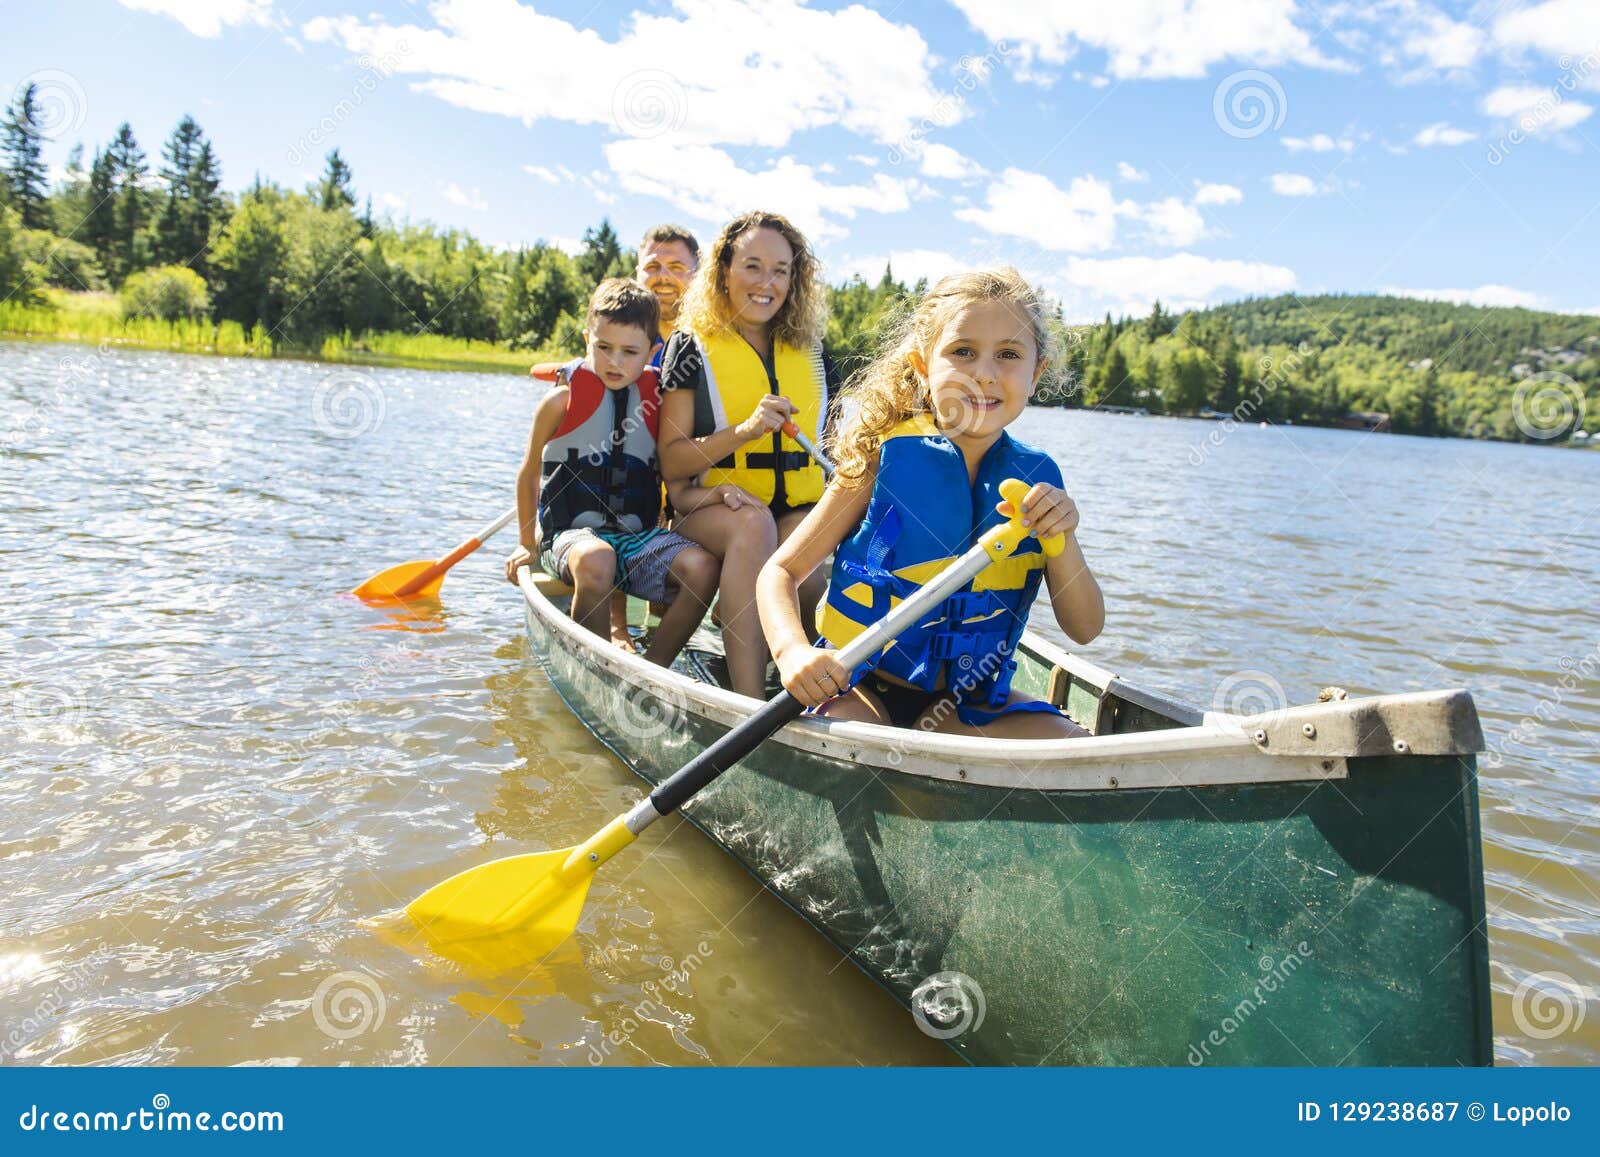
(672, 793)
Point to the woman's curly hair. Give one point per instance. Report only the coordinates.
(803, 315)
(889, 391)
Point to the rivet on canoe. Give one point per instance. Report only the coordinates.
(1310, 730)
(1113, 781)
(1401, 746)
(1327, 765)
(1259, 735)
(962, 772)
(594, 857)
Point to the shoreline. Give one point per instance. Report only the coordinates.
(510, 362)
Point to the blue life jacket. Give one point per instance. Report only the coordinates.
(922, 515)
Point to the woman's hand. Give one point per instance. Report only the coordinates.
(1046, 510)
(520, 557)
(770, 414)
(812, 675)
(733, 497)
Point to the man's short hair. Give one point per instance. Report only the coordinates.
(624, 302)
(665, 234)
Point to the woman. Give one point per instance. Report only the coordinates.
(747, 358)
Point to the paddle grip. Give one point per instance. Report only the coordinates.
(672, 793)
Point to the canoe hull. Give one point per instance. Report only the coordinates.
(1285, 923)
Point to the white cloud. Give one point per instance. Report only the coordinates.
(863, 159)
(1151, 38)
(1174, 223)
(1555, 27)
(1128, 173)
(207, 18)
(456, 195)
(706, 183)
(1293, 185)
(1536, 110)
(1182, 280)
(392, 202)
(1216, 194)
(1444, 43)
(751, 74)
(909, 265)
(1078, 219)
(1319, 143)
(943, 161)
(1443, 133)
(1494, 295)
(548, 176)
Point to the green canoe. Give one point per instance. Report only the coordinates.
(1184, 887)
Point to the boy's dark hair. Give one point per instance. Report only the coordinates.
(664, 234)
(625, 302)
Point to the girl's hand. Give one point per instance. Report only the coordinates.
(812, 675)
(522, 556)
(1046, 510)
(770, 414)
(733, 497)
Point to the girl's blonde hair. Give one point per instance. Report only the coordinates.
(804, 312)
(889, 391)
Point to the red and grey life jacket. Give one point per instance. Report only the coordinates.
(600, 468)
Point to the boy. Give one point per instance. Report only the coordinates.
(589, 491)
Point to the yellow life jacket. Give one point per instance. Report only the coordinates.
(736, 381)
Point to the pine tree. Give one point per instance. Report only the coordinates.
(26, 176)
(98, 229)
(70, 200)
(128, 169)
(369, 228)
(334, 189)
(208, 209)
(174, 230)
(601, 251)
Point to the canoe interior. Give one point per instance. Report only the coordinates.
(1272, 923)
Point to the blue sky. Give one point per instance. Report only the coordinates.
(1191, 150)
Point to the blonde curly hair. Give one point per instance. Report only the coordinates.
(803, 315)
(889, 391)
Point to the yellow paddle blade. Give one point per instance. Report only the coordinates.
(509, 912)
(381, 587)
(515, 911)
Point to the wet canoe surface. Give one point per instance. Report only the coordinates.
(1289, 923)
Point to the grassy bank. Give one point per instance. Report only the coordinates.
(97, 318)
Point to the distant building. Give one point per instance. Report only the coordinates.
(1371, 421)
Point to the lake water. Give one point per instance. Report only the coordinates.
(219, 773)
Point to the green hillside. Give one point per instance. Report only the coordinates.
(1434, 368)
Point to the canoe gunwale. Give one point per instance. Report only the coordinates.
(1176, 757)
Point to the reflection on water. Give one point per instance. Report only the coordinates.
(220, 773)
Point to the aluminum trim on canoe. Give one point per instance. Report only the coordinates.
(1180, 756)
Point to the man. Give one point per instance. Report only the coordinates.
(668, 258)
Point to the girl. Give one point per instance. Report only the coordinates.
(917, 479)
(746, 359)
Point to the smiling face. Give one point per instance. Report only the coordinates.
(665, 269)
(618, 352)
(981, 369)
(758, 278)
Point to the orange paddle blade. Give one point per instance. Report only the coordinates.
(382, 587)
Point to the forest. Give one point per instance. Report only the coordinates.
(154, 251)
